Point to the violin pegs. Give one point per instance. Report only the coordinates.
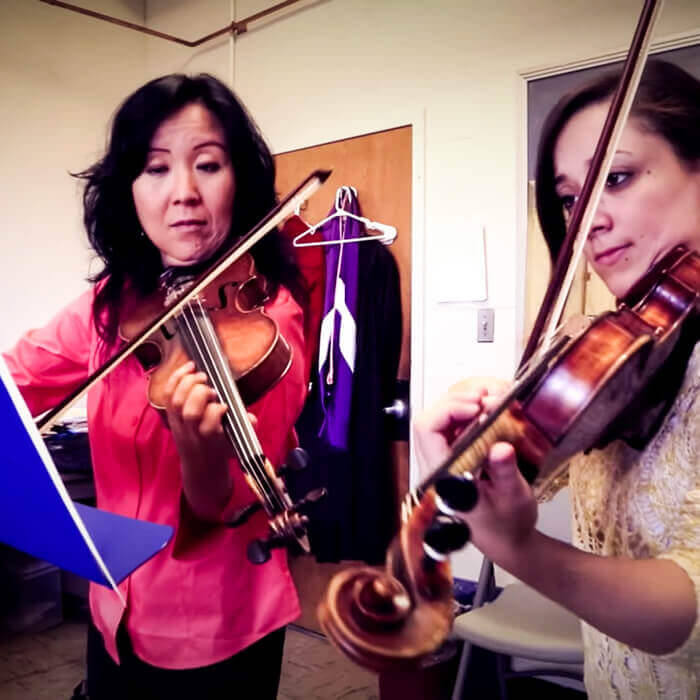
(258, 551)
(242, 515)
(445, 535)
(310, 499)
(297, 459)
(456, 494)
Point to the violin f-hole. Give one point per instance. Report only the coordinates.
(149, 354)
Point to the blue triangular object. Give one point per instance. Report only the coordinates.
(38, 517)
(124, 543)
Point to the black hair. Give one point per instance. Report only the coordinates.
(667, 103)
(110, 217)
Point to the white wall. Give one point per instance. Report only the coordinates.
(315, 72)
(61, 77)
(190, 20)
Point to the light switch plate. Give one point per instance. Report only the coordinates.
(484, 329)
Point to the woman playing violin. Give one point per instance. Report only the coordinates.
(185, 173)
(634, 575)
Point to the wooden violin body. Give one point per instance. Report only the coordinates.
(225, 331)
(598, 381)
(577, 396)
(257, 353)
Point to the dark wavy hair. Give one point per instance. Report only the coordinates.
(667, 103)
(110, 216)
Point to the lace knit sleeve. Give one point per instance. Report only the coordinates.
(684, 546)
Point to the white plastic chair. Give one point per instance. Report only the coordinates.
(519, 623)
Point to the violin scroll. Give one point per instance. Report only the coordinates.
(389, 619)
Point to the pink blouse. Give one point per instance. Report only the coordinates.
(199, 600)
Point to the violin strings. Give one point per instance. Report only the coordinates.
(200, 333)
(251, 451)
(242, 436)
(193, 335)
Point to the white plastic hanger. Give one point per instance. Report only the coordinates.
(386, 235)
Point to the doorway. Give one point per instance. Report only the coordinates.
(379, 166)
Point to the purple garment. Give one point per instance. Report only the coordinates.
(336, 360)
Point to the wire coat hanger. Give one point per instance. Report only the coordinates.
(386, 235)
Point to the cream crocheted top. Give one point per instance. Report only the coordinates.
(640, 505)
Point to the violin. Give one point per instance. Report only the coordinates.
(230, 338)
(569, 401)
(176, 324)
(579, 386)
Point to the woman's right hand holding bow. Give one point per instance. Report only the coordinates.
(506, 511)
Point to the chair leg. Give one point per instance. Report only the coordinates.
(486, 585)
(481, 674)
(485, 592)
(457, 692)
(502, 667)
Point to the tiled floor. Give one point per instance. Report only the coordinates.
(312, 669)
(42, 666)
(48, 665)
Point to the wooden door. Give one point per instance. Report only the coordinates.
(378, 165)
